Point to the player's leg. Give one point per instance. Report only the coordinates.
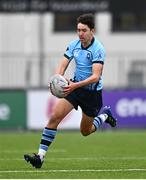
(89, 124)
(61, 109)
(86, 126)
(91, 105)
(106, 116)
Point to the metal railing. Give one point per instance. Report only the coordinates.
(122, 70)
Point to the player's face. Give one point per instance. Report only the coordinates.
(85, 34)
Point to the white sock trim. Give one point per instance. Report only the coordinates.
(103, 117)
(42, 153)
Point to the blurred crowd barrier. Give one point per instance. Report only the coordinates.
(121, 70)
(31, 109)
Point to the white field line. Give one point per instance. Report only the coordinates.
(32, 150)
(81, 159)
(71, 170)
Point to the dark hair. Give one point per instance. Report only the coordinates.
(87, 19)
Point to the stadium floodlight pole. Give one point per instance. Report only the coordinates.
(41, 49)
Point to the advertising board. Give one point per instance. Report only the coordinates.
(39, 108)
(12, 109)
(129, 106)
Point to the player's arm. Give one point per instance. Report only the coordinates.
(94, 78)
(62, 66)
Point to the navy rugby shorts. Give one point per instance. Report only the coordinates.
(89, 101)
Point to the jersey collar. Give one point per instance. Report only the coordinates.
(92, 41)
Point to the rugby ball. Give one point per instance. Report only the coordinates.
(57, 83)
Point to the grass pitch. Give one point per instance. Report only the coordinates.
(105, 154)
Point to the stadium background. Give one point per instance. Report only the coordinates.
(33, 37)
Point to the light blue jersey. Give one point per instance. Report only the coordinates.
(84, 58)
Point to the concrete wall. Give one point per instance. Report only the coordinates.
(24, 36)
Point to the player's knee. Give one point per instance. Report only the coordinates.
(85, 132)
(57, 116)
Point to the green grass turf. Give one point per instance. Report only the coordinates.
(105, 154)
